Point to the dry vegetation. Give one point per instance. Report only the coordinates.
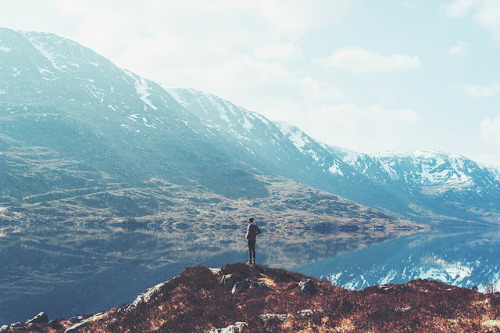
(201, 299)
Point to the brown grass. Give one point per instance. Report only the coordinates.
(197, 301)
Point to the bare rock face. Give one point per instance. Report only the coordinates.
(238, 327)
(40, 318)
(243, 285)
(227, 280)
(307, 287)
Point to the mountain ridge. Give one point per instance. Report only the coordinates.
(424, 175)
(408, 185)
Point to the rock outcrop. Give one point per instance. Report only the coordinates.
(239, 298)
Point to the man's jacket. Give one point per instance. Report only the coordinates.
(252, 231)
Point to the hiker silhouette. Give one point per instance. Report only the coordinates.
(251, 236)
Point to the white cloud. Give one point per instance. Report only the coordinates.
(460, 49)
(459, 8)
(486, 13)
(488, 16)
(267, 87)
(321, 91)
(359, 60)
(257, 85)
(209, 45)
(278, 51)
(413, 5)
(294, 17)
(482, 91)
(490, 130)
(362, 129)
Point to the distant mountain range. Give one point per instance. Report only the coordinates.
(425, 185)
(98, 125)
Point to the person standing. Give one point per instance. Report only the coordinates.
(251, 236)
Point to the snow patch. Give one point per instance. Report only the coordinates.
(247, 124)
(446, 272)
(133, 117)
(175, 94)
(145, 121)
(298, 138)
(333, 278)
(47, 54)
(335, 169)
(44, 71)
(293, 135)
(142, 88)
(219, 106)
(15, 71)
(85, 79)
(389, 277)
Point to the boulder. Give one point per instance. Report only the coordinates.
(277, 318)
(307, 287)
(40, 318)
(227, 279)
(238, 327)
(243, 285)
(75, 328)
(33, 326)
(54, 323)
(308, 313)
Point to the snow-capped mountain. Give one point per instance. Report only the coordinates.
(269, 144)
(436, 172)
(424, 184)
(49, 84)
(431, 179)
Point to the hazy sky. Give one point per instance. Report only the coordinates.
(364, 75)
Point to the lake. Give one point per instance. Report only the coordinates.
(86, 269)
(464, 258)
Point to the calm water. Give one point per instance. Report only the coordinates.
(463, 258)
(87, 269)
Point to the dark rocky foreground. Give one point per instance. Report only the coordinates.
(240, 298)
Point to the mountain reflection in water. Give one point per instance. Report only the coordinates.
(464, 258)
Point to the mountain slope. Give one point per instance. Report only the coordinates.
(428, 185)
(444, 184)
(67, 99)
(53, 85)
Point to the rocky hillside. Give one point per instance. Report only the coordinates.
(240, 298)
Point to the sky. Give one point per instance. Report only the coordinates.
(368, 76)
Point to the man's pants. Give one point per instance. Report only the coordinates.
(251, 249)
